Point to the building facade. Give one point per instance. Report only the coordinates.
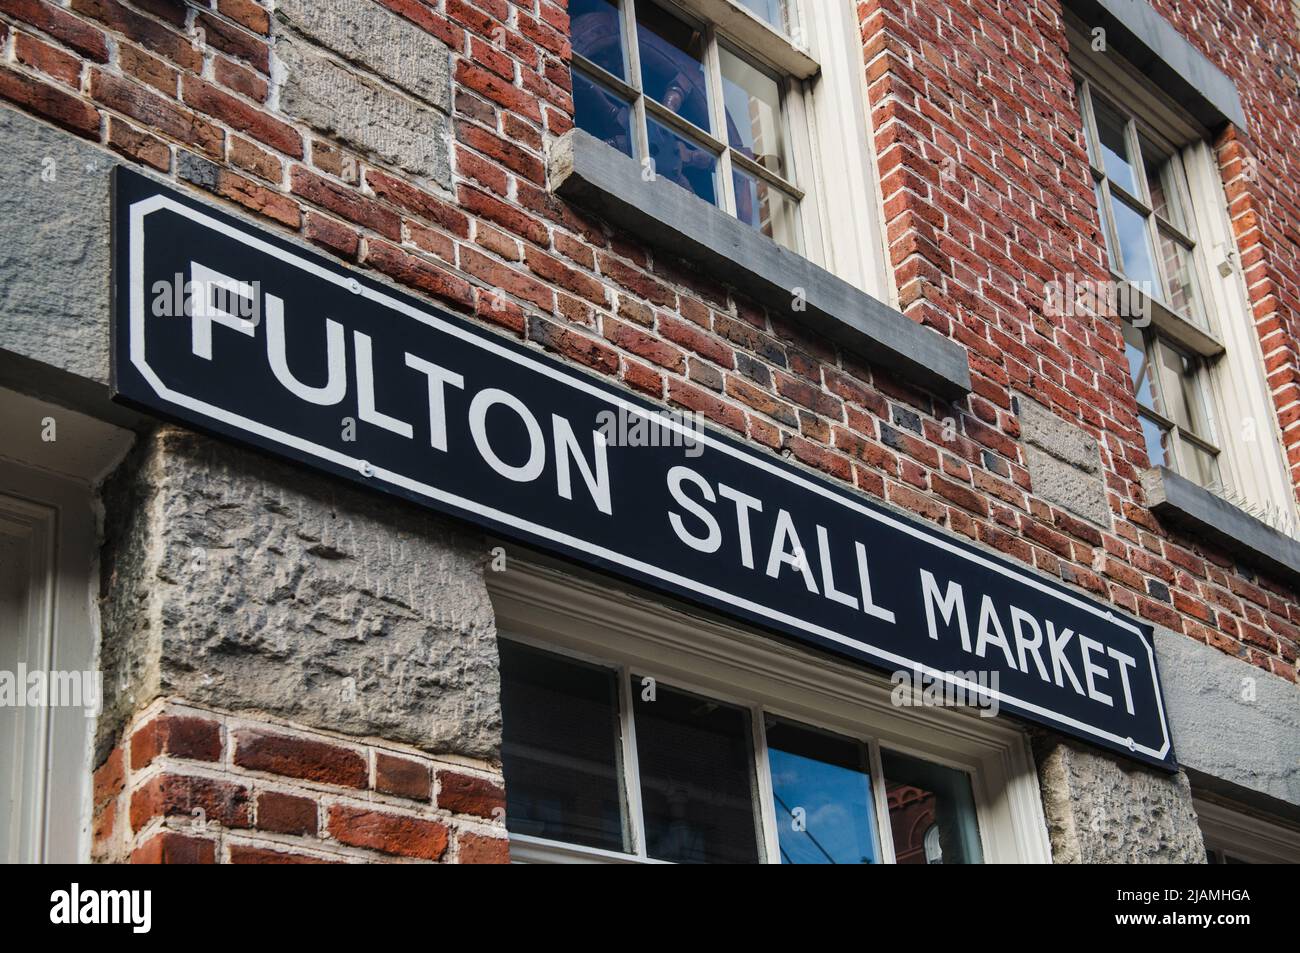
(1016, 282)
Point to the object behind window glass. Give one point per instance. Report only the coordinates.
(560, 749)
(773, 11)
(821, 790)
(697, 777)
(602, 112)
(931, 812)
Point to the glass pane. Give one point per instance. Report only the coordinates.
(1180, 280)
(560, 748)
(822, 792)
(672, 63)
(1198, 465)
(1135, 246)
(1117, 162)
(773, 11)
(753, 104)
(1156, 439)
(766, 208)
(679, 160)
(1139, 367)
(1164, 197)
(602, 112)
(596, 31)
(1184, 404)
(697, 778)
(1103, 211)
(931, 812)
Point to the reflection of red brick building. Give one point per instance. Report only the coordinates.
(911, 816)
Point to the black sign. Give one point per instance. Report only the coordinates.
(229, 328)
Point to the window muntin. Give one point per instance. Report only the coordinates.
(663, 88)
(1141, 191)
(699, 770)
(1172, 408)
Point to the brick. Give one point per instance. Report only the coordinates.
(234, 41)
(556, 272)
(150, 34)
(253, 159)
(512, 219)
(148, 69)
(240, 79)
(345, 202)
(480, 849)
(246, 13)
(169, 847)
(426, 206)
(286, 813)
(468, 794)
(109, 779)
(242, 116)
(505, 280)
(294, 757)
(396, 834)
(178, 736)
(247, 854)
(503, 151)
(331, 235)
(156, 113)
(206, 799)
(417, 273)
(701, 401)
(71, 31)
(49, 60)
(403, 777)
(59, 107)
(573, 345)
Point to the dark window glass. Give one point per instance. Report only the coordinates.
(679, 160)
(931, 812)
(602, 112)
(822, 792)
(596, 32)
(560, 749)
(697, 778)
(672, 63)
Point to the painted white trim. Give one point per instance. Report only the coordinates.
(547, 608)
(140, 209)
(1246, 836)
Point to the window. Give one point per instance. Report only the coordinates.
(699, 770)
(1143, 197)
(666, 89)
(636, 734)
(1236, 835)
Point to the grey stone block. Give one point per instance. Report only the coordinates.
(1230, 720)
(338, 102)
(246, 584)
(597, 176)
(54, 261)
(1064, 462)
(1104, 810)
(363, 32)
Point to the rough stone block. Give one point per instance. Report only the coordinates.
(363, 32)
(338, 102)
(1064, 462)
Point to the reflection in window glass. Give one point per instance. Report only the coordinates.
(1116, 160)
(822, 793)
(560, 749)
(1156, 439)
(1139, 367)
(924, 796)
(766, 208)
(753, 104)
(596, 32)
(773, 11)
(1199, 465)
(680, 160)
(602, 112)
(1134, 245)
(1176, 262)
(1183, 403)
(697, 778)
(672, 63)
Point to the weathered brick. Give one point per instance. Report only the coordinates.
(401, 835)
(295, 757)
(469, 794)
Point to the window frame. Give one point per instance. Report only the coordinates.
(549, 609)
(644, 108)
(1228, 829)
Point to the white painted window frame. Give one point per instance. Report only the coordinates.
(53, 785)
(833, 178)
(552, 609)
(1245, 836)
(1252, 463)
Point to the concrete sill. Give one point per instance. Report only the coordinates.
(1253, 541)
(598, 177)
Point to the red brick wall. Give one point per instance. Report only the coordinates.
(985, 86)
(188, 785)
